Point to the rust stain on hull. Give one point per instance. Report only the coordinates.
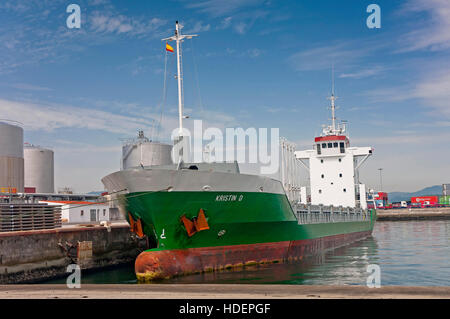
(153, 265)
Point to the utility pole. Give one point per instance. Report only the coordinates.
(381, 180)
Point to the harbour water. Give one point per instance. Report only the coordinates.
(409, 253)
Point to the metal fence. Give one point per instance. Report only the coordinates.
(17, 217)
(315, 214)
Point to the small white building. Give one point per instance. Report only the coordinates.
(333, 168)
(82, 211)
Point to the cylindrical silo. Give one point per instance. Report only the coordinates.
(11, 158)
(143, 151)
(39, 168)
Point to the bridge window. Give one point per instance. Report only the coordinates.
(335, 144)
(324, 145)
(342, 146)
(330, 145)
(318, 149)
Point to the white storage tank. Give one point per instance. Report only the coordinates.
(143, 151)
(39, 168)
(11, 158)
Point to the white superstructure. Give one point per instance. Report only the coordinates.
(333, 167)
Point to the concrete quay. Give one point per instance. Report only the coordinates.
(438, 213)
(37, 255)
(219, 291)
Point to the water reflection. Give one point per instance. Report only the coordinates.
(344, 265)
(410, 253)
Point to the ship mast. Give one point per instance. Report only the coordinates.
(178, 37)
(334, 129)
(333, 98)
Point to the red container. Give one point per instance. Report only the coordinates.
(425, 200)
(30, 190)
(381, 196)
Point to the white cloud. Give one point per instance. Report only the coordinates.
(435, 91)
(39, 35)
(363, 73)
(44, 117)
(253, 53)
(241, 27)
(344, 54)
(433, 33)
(218, 8)
(226, 23)
(404, 137)
(111, 22)
(37, 116)
(71, 147)
(30, 87)
(198, 27)
(432, 89)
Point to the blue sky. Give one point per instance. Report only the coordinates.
(256, 63)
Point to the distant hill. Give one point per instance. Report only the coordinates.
(399, 196)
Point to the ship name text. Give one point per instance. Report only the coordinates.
(229, 198)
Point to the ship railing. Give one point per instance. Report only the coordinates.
(317, 214)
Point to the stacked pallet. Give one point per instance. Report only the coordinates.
(18, 217)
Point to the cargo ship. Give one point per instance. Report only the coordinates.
(205, 217)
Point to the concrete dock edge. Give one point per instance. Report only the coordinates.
(219, 291)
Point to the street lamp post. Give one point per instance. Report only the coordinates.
(381, 180)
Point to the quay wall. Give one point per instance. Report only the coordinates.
(435, 213)
(33, 256)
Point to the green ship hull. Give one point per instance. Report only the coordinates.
(256, 218)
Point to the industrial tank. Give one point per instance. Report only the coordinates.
(11, 158)
(143, 151)
(39, 168)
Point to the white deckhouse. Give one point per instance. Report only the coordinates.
(333, 167)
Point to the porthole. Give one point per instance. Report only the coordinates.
(320, 191)
(345, 190)
(340, 175)
(322, 176)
